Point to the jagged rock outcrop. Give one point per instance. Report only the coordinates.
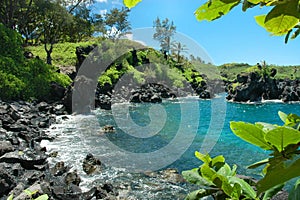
(253, 87)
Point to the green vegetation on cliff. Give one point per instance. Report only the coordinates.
(22, 78)
(231, 70)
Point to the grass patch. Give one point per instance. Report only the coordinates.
(63, 53)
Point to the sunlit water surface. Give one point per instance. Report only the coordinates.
(80, 135)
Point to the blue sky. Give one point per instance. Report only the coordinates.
(233, 38)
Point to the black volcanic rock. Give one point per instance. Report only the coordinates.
(254, 87)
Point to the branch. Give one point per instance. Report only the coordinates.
(77, 4)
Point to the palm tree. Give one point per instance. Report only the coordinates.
(177, 49)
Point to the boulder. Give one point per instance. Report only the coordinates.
(91, 164)
(7, 181)
(151, 93)
(57, 91)
(59, 169)
(72, 178)
(82, 53)
(5, 147)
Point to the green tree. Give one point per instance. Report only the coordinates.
(178, 48)
(164, 30)
(81, 26)
(55, 21)
(99, 24)
(10, 12)
(117, 22)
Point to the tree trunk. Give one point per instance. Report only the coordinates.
(178, 57)
(49, 51)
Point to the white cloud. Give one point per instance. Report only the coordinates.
(103, 12)
(101, 1)
(117, 2)
(129, 36)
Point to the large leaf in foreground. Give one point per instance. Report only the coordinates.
(281, 137)
(214, 9)
(272, 192)
(250, 133)
(131, 3)
(278, 175)
(282, 18)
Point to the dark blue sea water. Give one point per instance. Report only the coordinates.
(165, 135)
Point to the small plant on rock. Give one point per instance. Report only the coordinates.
(218, 179)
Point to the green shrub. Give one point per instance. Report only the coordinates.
(11, 43)
(11, 87)
(38, 76)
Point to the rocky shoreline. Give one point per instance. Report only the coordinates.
(23, 163)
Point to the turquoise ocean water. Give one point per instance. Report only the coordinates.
(80, 135)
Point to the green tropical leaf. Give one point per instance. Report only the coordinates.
(250, 133)
(233, 170)
(10, 197)
(212, 10)
(28, 192)
(292, 120)
(273, 191)
(223, 183)
(207, 172)
(247, 189)
(258, 164)
(43, 197)
(282, 18)
(197, 194)
(219, 160)
(236, 191)
(204, 158)
(254, 1)
(266, 127)
(225, 170)
(295, 192)
(282, 116)
(283, 136)
(131, 3)
(278, 175)
(260, 20)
